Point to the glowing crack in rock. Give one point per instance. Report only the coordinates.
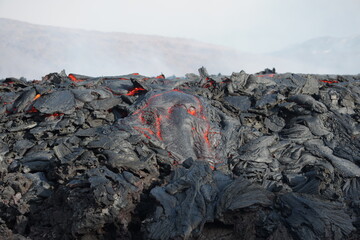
(181, 122)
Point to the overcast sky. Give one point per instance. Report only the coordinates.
(248, 25)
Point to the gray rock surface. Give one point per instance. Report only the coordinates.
(245, 156)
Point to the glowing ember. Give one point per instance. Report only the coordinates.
(32, 110)
(209, 83)
(266, 75)
(162, 76)
(192, 111)
(74, 79)
(135, 91)
(55, 115)
(144, 131)
(326, 81)
(37, 96)
(158, 127)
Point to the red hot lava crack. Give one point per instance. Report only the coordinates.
(180, 121)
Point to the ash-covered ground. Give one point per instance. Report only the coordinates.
(263, 156)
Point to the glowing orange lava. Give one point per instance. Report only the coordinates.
(326, 81)
(192, 111)
(74, 79)
(144, 130)
(162, 117)
(37, 96)
(162, 76)
(158, 127)
(54, 115)
(32, 110)
(135, 91)
(266, 75)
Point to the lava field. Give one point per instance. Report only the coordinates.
(246, 156)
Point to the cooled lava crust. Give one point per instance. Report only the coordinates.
(245, 156)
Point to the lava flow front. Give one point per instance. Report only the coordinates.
(180, 121)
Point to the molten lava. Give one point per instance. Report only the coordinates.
(55, 115)
(180, 122)
(32, 110)
(326, 81)
(37, 97)
(266, 75)
(161, 76)
(135, 91)
(192, 111)
(74, 79)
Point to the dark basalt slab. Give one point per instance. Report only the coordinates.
(59, 101)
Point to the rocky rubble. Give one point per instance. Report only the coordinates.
(246, 156)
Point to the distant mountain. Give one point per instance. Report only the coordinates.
(325, 55)
(32, 51)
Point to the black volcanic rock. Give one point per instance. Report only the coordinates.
(59, 101)
(266, 156)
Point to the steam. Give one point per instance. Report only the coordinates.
(31, 51)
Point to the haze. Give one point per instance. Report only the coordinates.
(177, 37)
(251, 25)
